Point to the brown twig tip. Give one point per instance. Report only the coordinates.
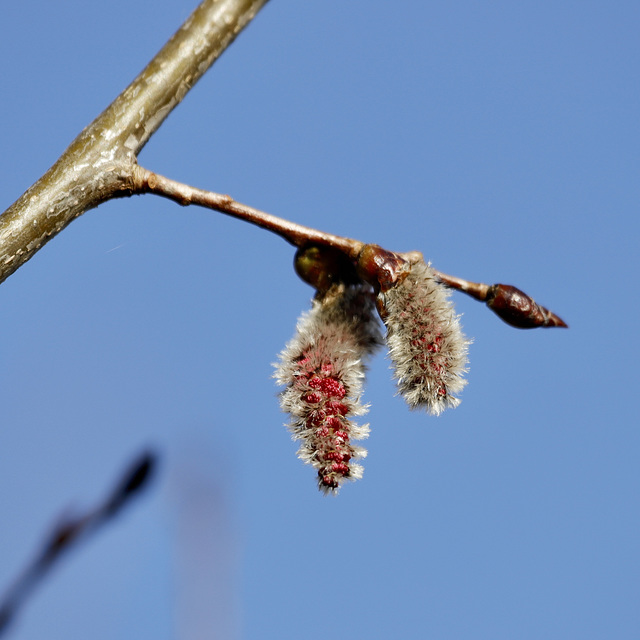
(476, 290)
(520, 310)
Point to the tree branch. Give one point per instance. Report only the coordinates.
(296, 234)
(370, 261)
(99, 163)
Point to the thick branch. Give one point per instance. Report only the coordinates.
(99, 163)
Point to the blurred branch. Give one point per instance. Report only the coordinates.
(98, 164)
(70, 530)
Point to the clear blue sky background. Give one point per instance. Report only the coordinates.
(502, 140)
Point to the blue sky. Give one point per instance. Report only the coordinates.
(501, 139)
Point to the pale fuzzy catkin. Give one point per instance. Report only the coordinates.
(322, 370)
(426, 344)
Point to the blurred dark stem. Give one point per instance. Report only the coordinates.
(70, 530)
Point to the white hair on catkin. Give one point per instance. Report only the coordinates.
(426, 344)
(322, 369)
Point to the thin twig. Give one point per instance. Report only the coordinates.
(69, 531)
(512, 305)
(296, 234)
(476, 290)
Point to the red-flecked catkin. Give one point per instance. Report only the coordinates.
(322, 370)
(426, 344)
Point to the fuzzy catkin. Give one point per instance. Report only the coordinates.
(426, 344)
(322, 370)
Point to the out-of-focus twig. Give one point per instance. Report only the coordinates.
(70, 530)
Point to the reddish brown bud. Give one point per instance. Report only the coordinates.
(518, 309)
(382, 269)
